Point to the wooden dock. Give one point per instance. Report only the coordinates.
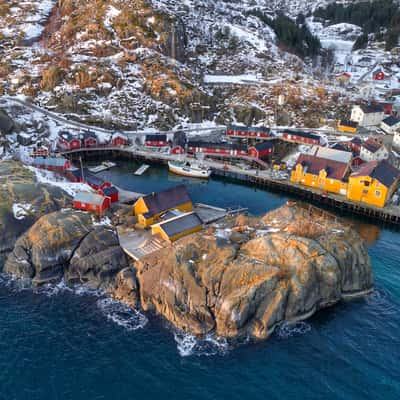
(389, 215)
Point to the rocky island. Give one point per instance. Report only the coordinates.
(240, 277)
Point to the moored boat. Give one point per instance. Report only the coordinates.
(192, 169)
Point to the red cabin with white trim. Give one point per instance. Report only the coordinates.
(248, 131)
(68, 142)
(111, 192)
(89, 140)
(91, 202)
(119, 139)
(225, 149)
(301, 137)
(261, 150)
(156, 140)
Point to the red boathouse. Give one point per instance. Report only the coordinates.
(226, 149)
(301, 137)
(57, 164)
(67, 141)
(119, 139)
(92, 202)
(261, 150)
(248, 131)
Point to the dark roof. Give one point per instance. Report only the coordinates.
(382, 170)
(110, 191)
(156, 138)
(261, 129)
(88, 135)
(302, 134)
(339, 146)
(346, 122)
(67, 136)
(6, 123)
(264, 146)
(93, 180)
(166, 200)
(356, 141)
(182, 223)
(372, 108)
(391, 121)
(221, 145)
(334, 169)
(371, 146)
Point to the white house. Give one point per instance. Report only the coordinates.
(373, 151)
(390, 124)
(367, 115)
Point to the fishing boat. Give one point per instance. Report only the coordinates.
(191, 169)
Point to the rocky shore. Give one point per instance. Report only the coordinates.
(241, 277)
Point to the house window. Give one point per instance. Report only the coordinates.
(377, 193)
(365, 191)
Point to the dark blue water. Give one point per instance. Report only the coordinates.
(63, 344)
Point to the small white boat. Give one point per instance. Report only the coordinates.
(142, 169)
(192, 169)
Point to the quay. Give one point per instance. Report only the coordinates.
(389, 215)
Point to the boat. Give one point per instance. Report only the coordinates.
(191, 169)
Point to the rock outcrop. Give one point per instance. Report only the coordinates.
(68, 245)
(22, 201)
(248, 278)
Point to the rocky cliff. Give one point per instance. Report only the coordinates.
(256, 274)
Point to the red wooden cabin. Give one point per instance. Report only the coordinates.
(41, 151)
(89, 139)
(67, 142)
(156, 140)
(111, 192)
(95, 182)
(226, 149)
(301, 137)
(91, 202)
(56, 164)
(119, 139)
(248, 131)
(261, 150)
(378, 75)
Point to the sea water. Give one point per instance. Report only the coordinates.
(58, 342)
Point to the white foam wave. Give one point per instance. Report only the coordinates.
(287, 330)
(129, 318)
(210, 345)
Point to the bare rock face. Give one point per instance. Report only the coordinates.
(23, 201)
(296, 263)
(66, 244)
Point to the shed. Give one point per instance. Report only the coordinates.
(92, 202)
(178, 227)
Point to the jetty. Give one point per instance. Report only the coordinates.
(142, 169)
(106, 165)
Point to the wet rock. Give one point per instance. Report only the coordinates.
(67, 245)
(126, 287)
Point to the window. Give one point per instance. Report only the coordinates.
(377, 184)
(377, 193)
(365, 191)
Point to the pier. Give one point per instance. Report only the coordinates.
(388, 215)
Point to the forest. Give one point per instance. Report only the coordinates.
(380, 18)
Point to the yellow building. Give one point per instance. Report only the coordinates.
(177, 227)
(374, 183)
(148, 209)
(347, 126)
(321, 173)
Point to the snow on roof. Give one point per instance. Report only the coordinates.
(331, 154)
(89, 198)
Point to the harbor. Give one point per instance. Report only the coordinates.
(259, 178)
